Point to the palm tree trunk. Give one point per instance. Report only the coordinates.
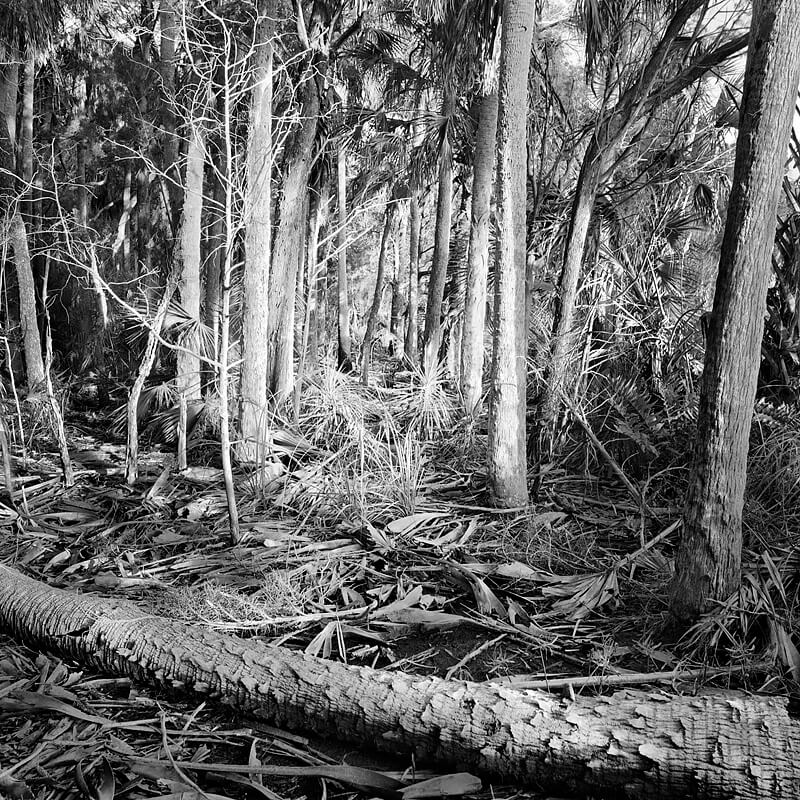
(432, 334)
(288, 239)
(171, 179)
(344, 358)
(310, 349)
(472, 345)
(507, 407)
(188, 366)
(31, 341)
(396, 313)
(564, 339)
(708, 564)
(9, 86)
(26, 143)
(372, 319)
(637, 745)
(253, 383)
(411, 347)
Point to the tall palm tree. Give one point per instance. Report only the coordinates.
(26, 28)
(708, 564)
(640, 91)
(258, 234)
(507, 405)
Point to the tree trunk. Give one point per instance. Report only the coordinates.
(372, 319)
(632, 744)
(26, 143)
(344, 358)
(188, 367)
(316, 265)
(507, 452)
(34, 364)
(473, 335)
(144, 227)
(432, 334)
(564, 338)
(9, 86)
(396, 312)
(213, 271)
(708, 563)
(288, 239)
(170, 179)
(411, 346)
(253, 385)
(145, 367)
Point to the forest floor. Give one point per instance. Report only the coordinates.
(370, 541)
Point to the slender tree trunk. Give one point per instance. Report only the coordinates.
(411, 346)
(708, 564)
(123, 241)
(507, 457)
(372, 319)
(171, 179)
(9, 86)
(82, 187)
(145, 367)
(253, 384)
(289, 237)
(472, 344)
(432, 334)
(188, 365)
(636, 745)
(31, 341)
(300, 299)
(19, 240)
(396, 313)
(310, 349)
(213, 272)
(344, 358)
(564, 338)
(26, 143)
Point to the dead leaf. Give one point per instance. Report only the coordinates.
(455, 785)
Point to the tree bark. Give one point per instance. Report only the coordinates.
(253, 384)
(145, 367)
(708, 563)
(632, 744)
(372, 319)
(31, 342)
(411, 346)
(564, 338)
(396, 311)
(26, 143)
(171, 179)
(316, 270)
(9, 86)
(188, 366)
(288, 239)
(344, 358)
(473, 333)
(507, 406)
(432, 334)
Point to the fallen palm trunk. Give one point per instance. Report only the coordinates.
(632, 744)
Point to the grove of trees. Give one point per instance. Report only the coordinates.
(560, 237)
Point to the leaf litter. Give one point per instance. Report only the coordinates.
(367, 550)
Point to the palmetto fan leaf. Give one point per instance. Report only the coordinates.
(178, 326)
(29, 23)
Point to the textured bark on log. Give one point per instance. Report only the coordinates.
(632, 744)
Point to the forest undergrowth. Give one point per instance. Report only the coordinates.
(368, 538)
